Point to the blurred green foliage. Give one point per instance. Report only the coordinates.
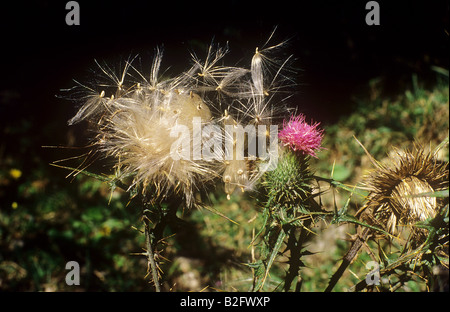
(47, 220)
(45, 227)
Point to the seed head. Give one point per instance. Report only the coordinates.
(141, 122)
(398, 189)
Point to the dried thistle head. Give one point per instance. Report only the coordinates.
(148, 125)
(400, 190)
(142, 140)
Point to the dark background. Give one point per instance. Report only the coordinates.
(334, 48)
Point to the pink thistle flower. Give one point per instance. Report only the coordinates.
(300, 136)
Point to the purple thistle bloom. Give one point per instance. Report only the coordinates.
(300, 136)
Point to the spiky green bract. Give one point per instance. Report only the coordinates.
(289, 186)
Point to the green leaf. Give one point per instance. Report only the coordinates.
(353, 189)
(258, 267)
(351, 219)
(341, 172)
(443, 193)
(273, 255)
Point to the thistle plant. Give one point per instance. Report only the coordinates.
(289, 205)
(164, 137)
(172, 139)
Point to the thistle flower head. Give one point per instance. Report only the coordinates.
(300, 136)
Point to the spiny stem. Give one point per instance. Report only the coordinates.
(151, 258)
(348, 258)
(295, 246)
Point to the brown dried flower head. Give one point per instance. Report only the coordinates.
(400, 190)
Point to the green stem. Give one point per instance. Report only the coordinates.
(294, 246)
(151, 258)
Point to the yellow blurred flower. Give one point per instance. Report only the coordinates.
(15, 173)
(105, 230)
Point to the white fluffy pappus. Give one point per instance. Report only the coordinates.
(134, 119)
